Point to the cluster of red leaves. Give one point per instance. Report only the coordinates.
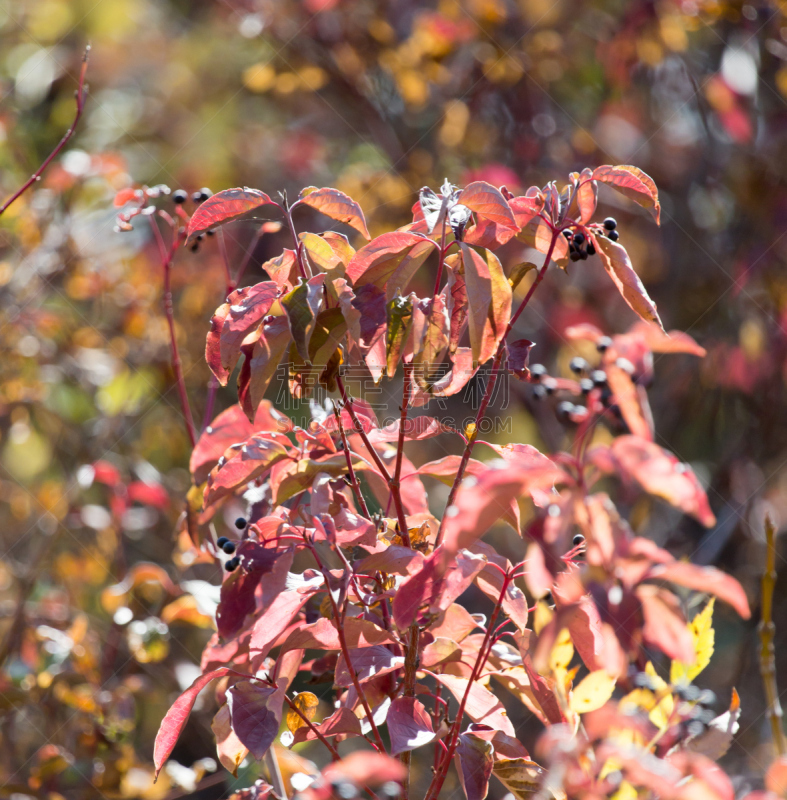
(377, 612)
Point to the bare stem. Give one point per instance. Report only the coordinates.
(767, 631)
(501, 348)
(81, 94)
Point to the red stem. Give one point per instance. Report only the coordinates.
(177, 368)
(356, 487)
(501, 348)
(483, 654)
(395, 483)
(81, 93)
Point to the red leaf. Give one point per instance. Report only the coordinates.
(126, 196)
(365, 768)
(229, 427)
(618, 265)
(149, 494)
(634, 183)
(213, 344)
(705, 579)
(658, 472)
(252, 458)
(476, 760)
(368, 663)
(247, 308)
(544, 694)
(342, 721)
(175, 719)
(489, 296)
(482, 705)
(415, 429)
(519, 358)
(664, 625)
(323, 635)
(275, 620)
(283, 270)
(395, 558)
(586, 195)
(630, 401)
(390, 259)
(336, 205)
(483, 499)
(436, 586)
(409, 725)
(226, 206)
(237, 591)
(488, 203)
(256, 714)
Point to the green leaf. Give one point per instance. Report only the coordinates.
(399, 312)
(302, 305)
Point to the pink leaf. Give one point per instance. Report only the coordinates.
(409, 725)
(482, 705)
(475, 758)
(658, 472)
(255, 712)
(415, 429)
(247, 308)
(487, 203)
(229, 427)
(665, 626)
(705, 579)
(275, 621)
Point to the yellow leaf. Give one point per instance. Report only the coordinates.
(702, 632)
(658, 703)
(562, 651)
(592, 692)
(543, 616)
(306, 703)
(625, 792)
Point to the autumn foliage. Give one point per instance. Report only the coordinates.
(341, 572)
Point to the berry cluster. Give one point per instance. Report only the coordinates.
(179, 196)
(229, 547)
(579, 247)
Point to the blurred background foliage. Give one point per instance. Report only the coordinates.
(377, 99)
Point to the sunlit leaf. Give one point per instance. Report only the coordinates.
(634, 183)
(306, 703)
(702, 633)
(226, 206)
(336, 205)
(592, 692)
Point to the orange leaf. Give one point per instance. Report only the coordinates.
(226, 206)
(336, 205)
(634, 183)
(617, 263)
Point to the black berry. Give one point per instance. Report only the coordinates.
(389, 791)
(583, 254)
(240, 523)
(579, 239)
(564, 410)
(599, 377)
(221, 541)
(549, 384)
(195, 247)
(179, 197)
(578, 540)
(578, 365)
(202, 195)
(567, 233)
(232, 564)
(539, 392)
(613, 235)
(228, 548)
(210, 232)
(610, 223)
(603, 344)
(575, 255)
(538, 371)
(586, 385)
(344, 790)
(591, 251)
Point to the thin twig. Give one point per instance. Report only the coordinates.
(81, 94)
(767, 631)
(177, 368)
(356, 487)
